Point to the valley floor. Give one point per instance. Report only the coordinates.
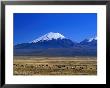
(33, 65)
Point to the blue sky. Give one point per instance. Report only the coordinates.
(76, 26)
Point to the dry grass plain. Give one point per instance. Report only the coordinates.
(33, 65)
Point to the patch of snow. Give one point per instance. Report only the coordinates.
(49, 36)
(91, 39)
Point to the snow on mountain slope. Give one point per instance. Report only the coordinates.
(49, 36)
(91, 39)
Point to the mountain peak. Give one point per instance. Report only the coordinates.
(49, 36)
(91, 39)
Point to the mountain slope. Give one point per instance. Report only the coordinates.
(89, 42)
(59, 43)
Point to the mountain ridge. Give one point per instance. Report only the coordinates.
(57, 45)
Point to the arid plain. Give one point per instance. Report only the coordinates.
(35, 65)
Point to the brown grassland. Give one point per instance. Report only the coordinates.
(33, 65)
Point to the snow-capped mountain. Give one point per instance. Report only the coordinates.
(49, 36)
(55, 44)
(90, 41)
(49, 40)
